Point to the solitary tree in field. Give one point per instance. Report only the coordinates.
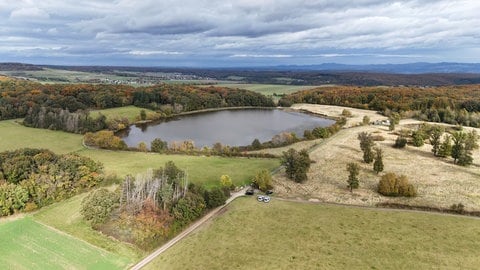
(353, 170)
(378, 163)
(471, 140)
(435, 136)
(366, 144)
(463, 145)
(458, 147)
(296, 164)
(445, 149)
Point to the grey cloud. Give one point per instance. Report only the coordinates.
(242, 28)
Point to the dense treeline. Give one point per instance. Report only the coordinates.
(59, 119)
(452, 104)
(31, 178)
(17, 98)
(150, 208)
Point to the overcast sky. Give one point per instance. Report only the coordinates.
(238, 33)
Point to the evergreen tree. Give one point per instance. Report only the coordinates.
(418, 138)
(435, 136)
(445, 149)
(378, 163)
(366, 144)
(458, 145)
(353, 170)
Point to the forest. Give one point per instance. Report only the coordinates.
(32, 178)
(150, 208)
(20, 99)
(448, 104)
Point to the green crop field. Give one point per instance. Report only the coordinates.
(292, 235)
(27, 244)
(65, 216)
(129, 112)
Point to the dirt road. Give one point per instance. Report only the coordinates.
(187, 231)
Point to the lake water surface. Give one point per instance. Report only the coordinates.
(229, 127)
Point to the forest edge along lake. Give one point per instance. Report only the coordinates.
(229, 127)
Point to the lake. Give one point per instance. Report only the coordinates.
(229, 127)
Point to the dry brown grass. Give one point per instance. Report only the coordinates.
(4, 78)
(439, 182)
(336, 111)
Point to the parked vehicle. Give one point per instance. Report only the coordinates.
(263, 198)
(249, 191)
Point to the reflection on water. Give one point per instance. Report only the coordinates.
(230, 127)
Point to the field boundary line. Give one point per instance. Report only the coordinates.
(76, 238)
(386, 209)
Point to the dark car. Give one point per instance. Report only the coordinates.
(250, 191)
(269, 192)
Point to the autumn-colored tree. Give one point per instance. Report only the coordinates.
(263, 180)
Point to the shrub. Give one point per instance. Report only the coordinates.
(395, 186)
(366, 120)
(346, 113)
(418, 138)
(98, 206)
(400, 142)
(263, 180)
(188, 209)
(215, 197)
(458, 208)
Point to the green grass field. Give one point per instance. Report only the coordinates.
(268, 89)
(200, 169)
(130, 112)
(26, 244)
(14, 136)
(65, 216)
(290, 235)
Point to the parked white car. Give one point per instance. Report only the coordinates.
(263, 198)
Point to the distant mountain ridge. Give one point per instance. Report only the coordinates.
(411, 68)
(419, 74)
